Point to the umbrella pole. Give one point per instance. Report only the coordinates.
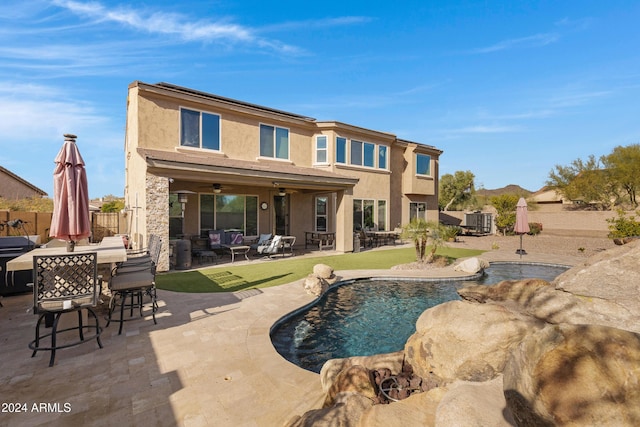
(520, 246)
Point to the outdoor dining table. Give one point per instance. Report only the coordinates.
(382, 237)
(321, 239)
(110, 250)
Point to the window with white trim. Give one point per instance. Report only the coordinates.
(382, 157)
(417, 210)
(364, 214)
(274, 142)
(382, 215)
(321, 213)
(199, 129)
(356, 152)
(321, 149)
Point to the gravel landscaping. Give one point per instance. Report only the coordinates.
(561, 244)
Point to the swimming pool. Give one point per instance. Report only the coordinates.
(375, 316)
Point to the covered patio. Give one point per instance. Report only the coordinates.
(250, 198)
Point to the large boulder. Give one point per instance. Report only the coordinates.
(418, 410)
(602, 291)
(608, 285)
(357, 379)
(471, 265)
(346, 412)
(323, 271)
(332, 367)
(575, 375)
(474, 404)
(315, 285)
(462, 341)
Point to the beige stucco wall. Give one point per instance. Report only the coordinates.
(135, 175)
(159, 129)
(153, 121)
(556, 221)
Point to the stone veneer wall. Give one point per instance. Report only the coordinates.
(157, 215)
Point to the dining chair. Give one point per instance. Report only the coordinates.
(134, 281)
(64, 284)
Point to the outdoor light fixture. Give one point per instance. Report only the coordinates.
(182, 197)
(281, 192)
(217, 188)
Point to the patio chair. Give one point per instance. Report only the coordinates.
(287, 243)
(133, 282)
(365, 240)
(144, 256)
(270, 247)
(64, 284)
(261, 241)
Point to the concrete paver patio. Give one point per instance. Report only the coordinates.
(208, 362)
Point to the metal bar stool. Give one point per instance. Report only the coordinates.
(64, 284)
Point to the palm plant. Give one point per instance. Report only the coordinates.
(424, 233)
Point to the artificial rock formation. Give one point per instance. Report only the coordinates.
(565, 353)
(471, 265)
(319, 281)
(461, 341)
(575, 375)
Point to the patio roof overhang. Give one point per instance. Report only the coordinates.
(221, 170)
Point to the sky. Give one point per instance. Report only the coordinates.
(507, 90)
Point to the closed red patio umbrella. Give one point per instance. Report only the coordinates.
(522, 223)
(70, 219)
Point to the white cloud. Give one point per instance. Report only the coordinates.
(536, 40)
(482, 129)
(577, 99)
(317, 23)
(31, 111)
(175, 24)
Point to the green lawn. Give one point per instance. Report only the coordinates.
(229, 278)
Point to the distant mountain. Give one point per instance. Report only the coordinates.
(509, 189)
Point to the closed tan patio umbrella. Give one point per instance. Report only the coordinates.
(70, 219)
(522, 223)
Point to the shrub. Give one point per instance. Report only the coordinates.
(450, 232)
(535, 228)
(623, 226)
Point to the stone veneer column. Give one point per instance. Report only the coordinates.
(157, 214)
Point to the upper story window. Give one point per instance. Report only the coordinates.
(321, 149)
(356, 152)
(199, 129)
(423, 164)
(274, 142)
(341, 149)
(382, 156)
(363, 153)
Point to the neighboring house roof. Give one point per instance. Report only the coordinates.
(22, 181)
(547, 195)
(238, 171)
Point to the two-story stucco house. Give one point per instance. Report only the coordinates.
(260, 170)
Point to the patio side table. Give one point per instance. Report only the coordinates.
(238, 249)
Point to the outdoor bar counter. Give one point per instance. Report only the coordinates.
(110, 250)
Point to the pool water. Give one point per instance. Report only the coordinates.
(366, 317)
